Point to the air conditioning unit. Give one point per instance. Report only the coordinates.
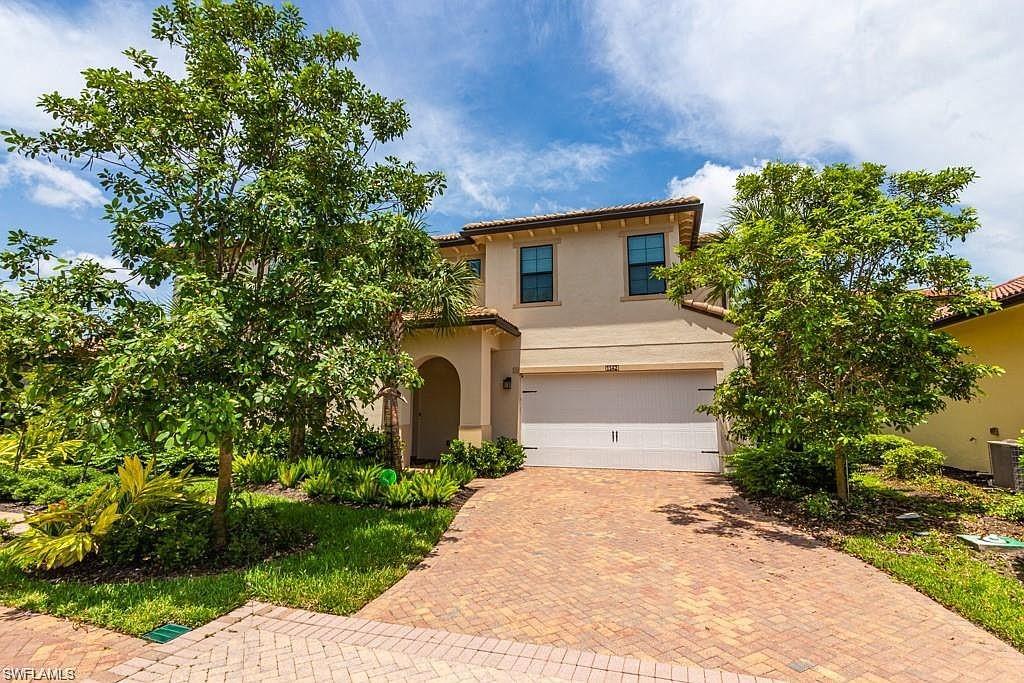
(1005, 462)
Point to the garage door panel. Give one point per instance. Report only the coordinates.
(631, 421)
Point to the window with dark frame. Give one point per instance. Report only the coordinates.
(536, 274)
(644, 253)
(475, 265)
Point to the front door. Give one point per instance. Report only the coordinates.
(436, 409)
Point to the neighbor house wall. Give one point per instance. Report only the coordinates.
(962, 430)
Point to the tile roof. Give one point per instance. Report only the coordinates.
(1008, 293)
(475, 315)
(703, 307)
(674, 202)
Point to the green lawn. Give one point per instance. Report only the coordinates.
(939, 565)
(950, 573)
(358, 555)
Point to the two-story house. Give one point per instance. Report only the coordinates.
(574, 349)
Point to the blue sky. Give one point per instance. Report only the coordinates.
(534, 106)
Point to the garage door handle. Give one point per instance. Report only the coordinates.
(529, 391)
(715, 452)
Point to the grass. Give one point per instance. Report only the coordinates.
(986, 589)
(951, 574)
(359, 553)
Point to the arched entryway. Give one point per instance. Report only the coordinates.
(435, 408)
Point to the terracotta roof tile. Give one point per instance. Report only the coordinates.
(475, 315)
(583, 213)
(703, 307)
(1007, 292)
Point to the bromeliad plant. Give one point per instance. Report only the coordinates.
(64, 535)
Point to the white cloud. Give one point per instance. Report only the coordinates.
(910, 84)
(50, 185)
(45, 49)
(484, 172)
(714, 185)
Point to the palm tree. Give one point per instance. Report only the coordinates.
(428, 290)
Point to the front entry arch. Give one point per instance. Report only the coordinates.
(435, 409)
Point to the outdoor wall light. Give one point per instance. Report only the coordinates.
(506, 383)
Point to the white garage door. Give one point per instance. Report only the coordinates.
(624, 420)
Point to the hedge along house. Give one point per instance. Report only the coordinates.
(574, 350)
(962, 431)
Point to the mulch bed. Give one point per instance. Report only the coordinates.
(879, 517)
(92, 572)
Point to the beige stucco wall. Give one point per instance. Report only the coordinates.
(470, 349)
(593, 321)
(961, 431)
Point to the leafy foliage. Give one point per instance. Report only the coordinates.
(289, 474)
(826, 269)
(776, 471)
(819, 506)
(249, 180)
(64, 534)
(907, 462)
(433, 487)
(257, 469)
(50, 485)
(490, 459)
(872, 448)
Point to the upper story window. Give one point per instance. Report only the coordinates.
(644, 253)
(476, 265)
(536, 274)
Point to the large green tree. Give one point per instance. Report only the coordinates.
(250, 180)
(57, 318)
(832, 275)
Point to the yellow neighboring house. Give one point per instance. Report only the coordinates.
(962, 431)
(574, 349)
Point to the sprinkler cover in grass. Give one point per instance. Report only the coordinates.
(388, 477)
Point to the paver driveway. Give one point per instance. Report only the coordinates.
(676, 567)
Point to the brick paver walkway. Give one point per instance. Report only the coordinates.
(259, 642)
(675, 567)
(44, 643)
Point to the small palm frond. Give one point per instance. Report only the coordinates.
(448, 292)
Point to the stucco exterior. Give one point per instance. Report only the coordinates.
(593, 325)
(962, 431)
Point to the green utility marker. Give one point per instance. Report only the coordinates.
(166, 632)
(388, 477)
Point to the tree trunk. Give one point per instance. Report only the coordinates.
(389, 420)
(392, 428)
(297, 434)
(842, 476)
(22, 437)
(220, 504)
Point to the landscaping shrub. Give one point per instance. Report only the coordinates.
(871, 449)
(289, 474)
(490, 459)
(321, 484)
(65, 534)
(460, 472)
(257, 469)
(400, 494)
(175, 459)
(908, 462)
(181, 539)
(365, 486)
(778, 471)
(434, 487)
(819, 506)
(50, 484)
(1010, 508)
